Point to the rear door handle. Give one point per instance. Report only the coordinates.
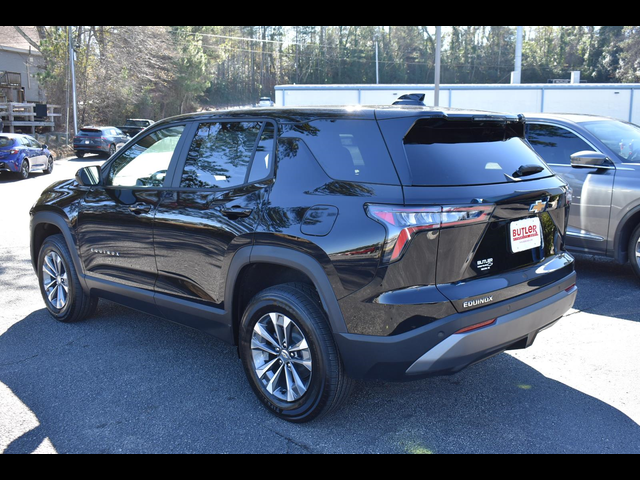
(139, 208)
(236, 212)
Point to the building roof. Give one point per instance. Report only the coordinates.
(11, 39)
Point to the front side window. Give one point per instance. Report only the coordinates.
(146, 162)
(555, 144)
(622, 138)
(220, 154)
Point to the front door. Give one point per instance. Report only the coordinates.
(592, 188)
(211, 211)
(115, 222)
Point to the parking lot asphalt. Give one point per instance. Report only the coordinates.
(125, 382)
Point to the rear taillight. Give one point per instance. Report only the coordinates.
(15, 151)
(403, 223)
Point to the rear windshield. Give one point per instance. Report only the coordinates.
(89, 132)
(448, 153)
(6, 142)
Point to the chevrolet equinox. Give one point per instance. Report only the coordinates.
(328, 244)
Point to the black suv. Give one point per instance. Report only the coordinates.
(329, 244)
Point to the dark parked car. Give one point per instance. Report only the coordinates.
(329, 244)
(100, 140)
(22, 154)
(134, 126)
(599, 158)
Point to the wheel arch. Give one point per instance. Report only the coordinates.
(45, 224)
(255, 268)
(623, 233)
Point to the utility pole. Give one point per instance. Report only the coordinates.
(377, 71)
(436, 93)
(516, 75)
(73, 82)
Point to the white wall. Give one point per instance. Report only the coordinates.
(620, 101)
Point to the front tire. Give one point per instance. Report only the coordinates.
(289, 356)
(634, 250)
(60, 285)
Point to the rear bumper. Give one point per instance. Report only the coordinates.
(9, 167)
(91, 148)
(437, 350)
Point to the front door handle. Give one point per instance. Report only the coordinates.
(139, 208)
(236, 212)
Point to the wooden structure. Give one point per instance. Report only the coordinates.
(26, 117)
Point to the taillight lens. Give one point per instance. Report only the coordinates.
(403, 223)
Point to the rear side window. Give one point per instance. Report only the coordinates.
(350, 150)
(465, 152)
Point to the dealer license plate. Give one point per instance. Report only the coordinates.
(526, 234)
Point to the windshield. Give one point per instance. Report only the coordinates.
(6, 142)
(622, 138)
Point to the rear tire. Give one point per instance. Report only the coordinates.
(289, 356)
(24, 170)
(80, 154)
(60, 285)
(634, 250)
(49, 168)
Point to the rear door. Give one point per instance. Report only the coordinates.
(592, 188)
(211, 210)
(36, 153)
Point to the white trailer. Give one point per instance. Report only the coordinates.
(617, 100)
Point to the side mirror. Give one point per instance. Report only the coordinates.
(589, 159)
(88, 176)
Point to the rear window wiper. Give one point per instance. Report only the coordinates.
(526, 170)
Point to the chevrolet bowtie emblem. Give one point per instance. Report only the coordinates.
(538, 207)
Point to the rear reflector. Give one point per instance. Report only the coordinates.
(476, 326)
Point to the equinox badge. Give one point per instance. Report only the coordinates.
(478, 301)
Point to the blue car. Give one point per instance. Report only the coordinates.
(22, 154)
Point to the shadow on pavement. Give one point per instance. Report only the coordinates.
(124, 382)
(607, 288)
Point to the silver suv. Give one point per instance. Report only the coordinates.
(599, 158)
